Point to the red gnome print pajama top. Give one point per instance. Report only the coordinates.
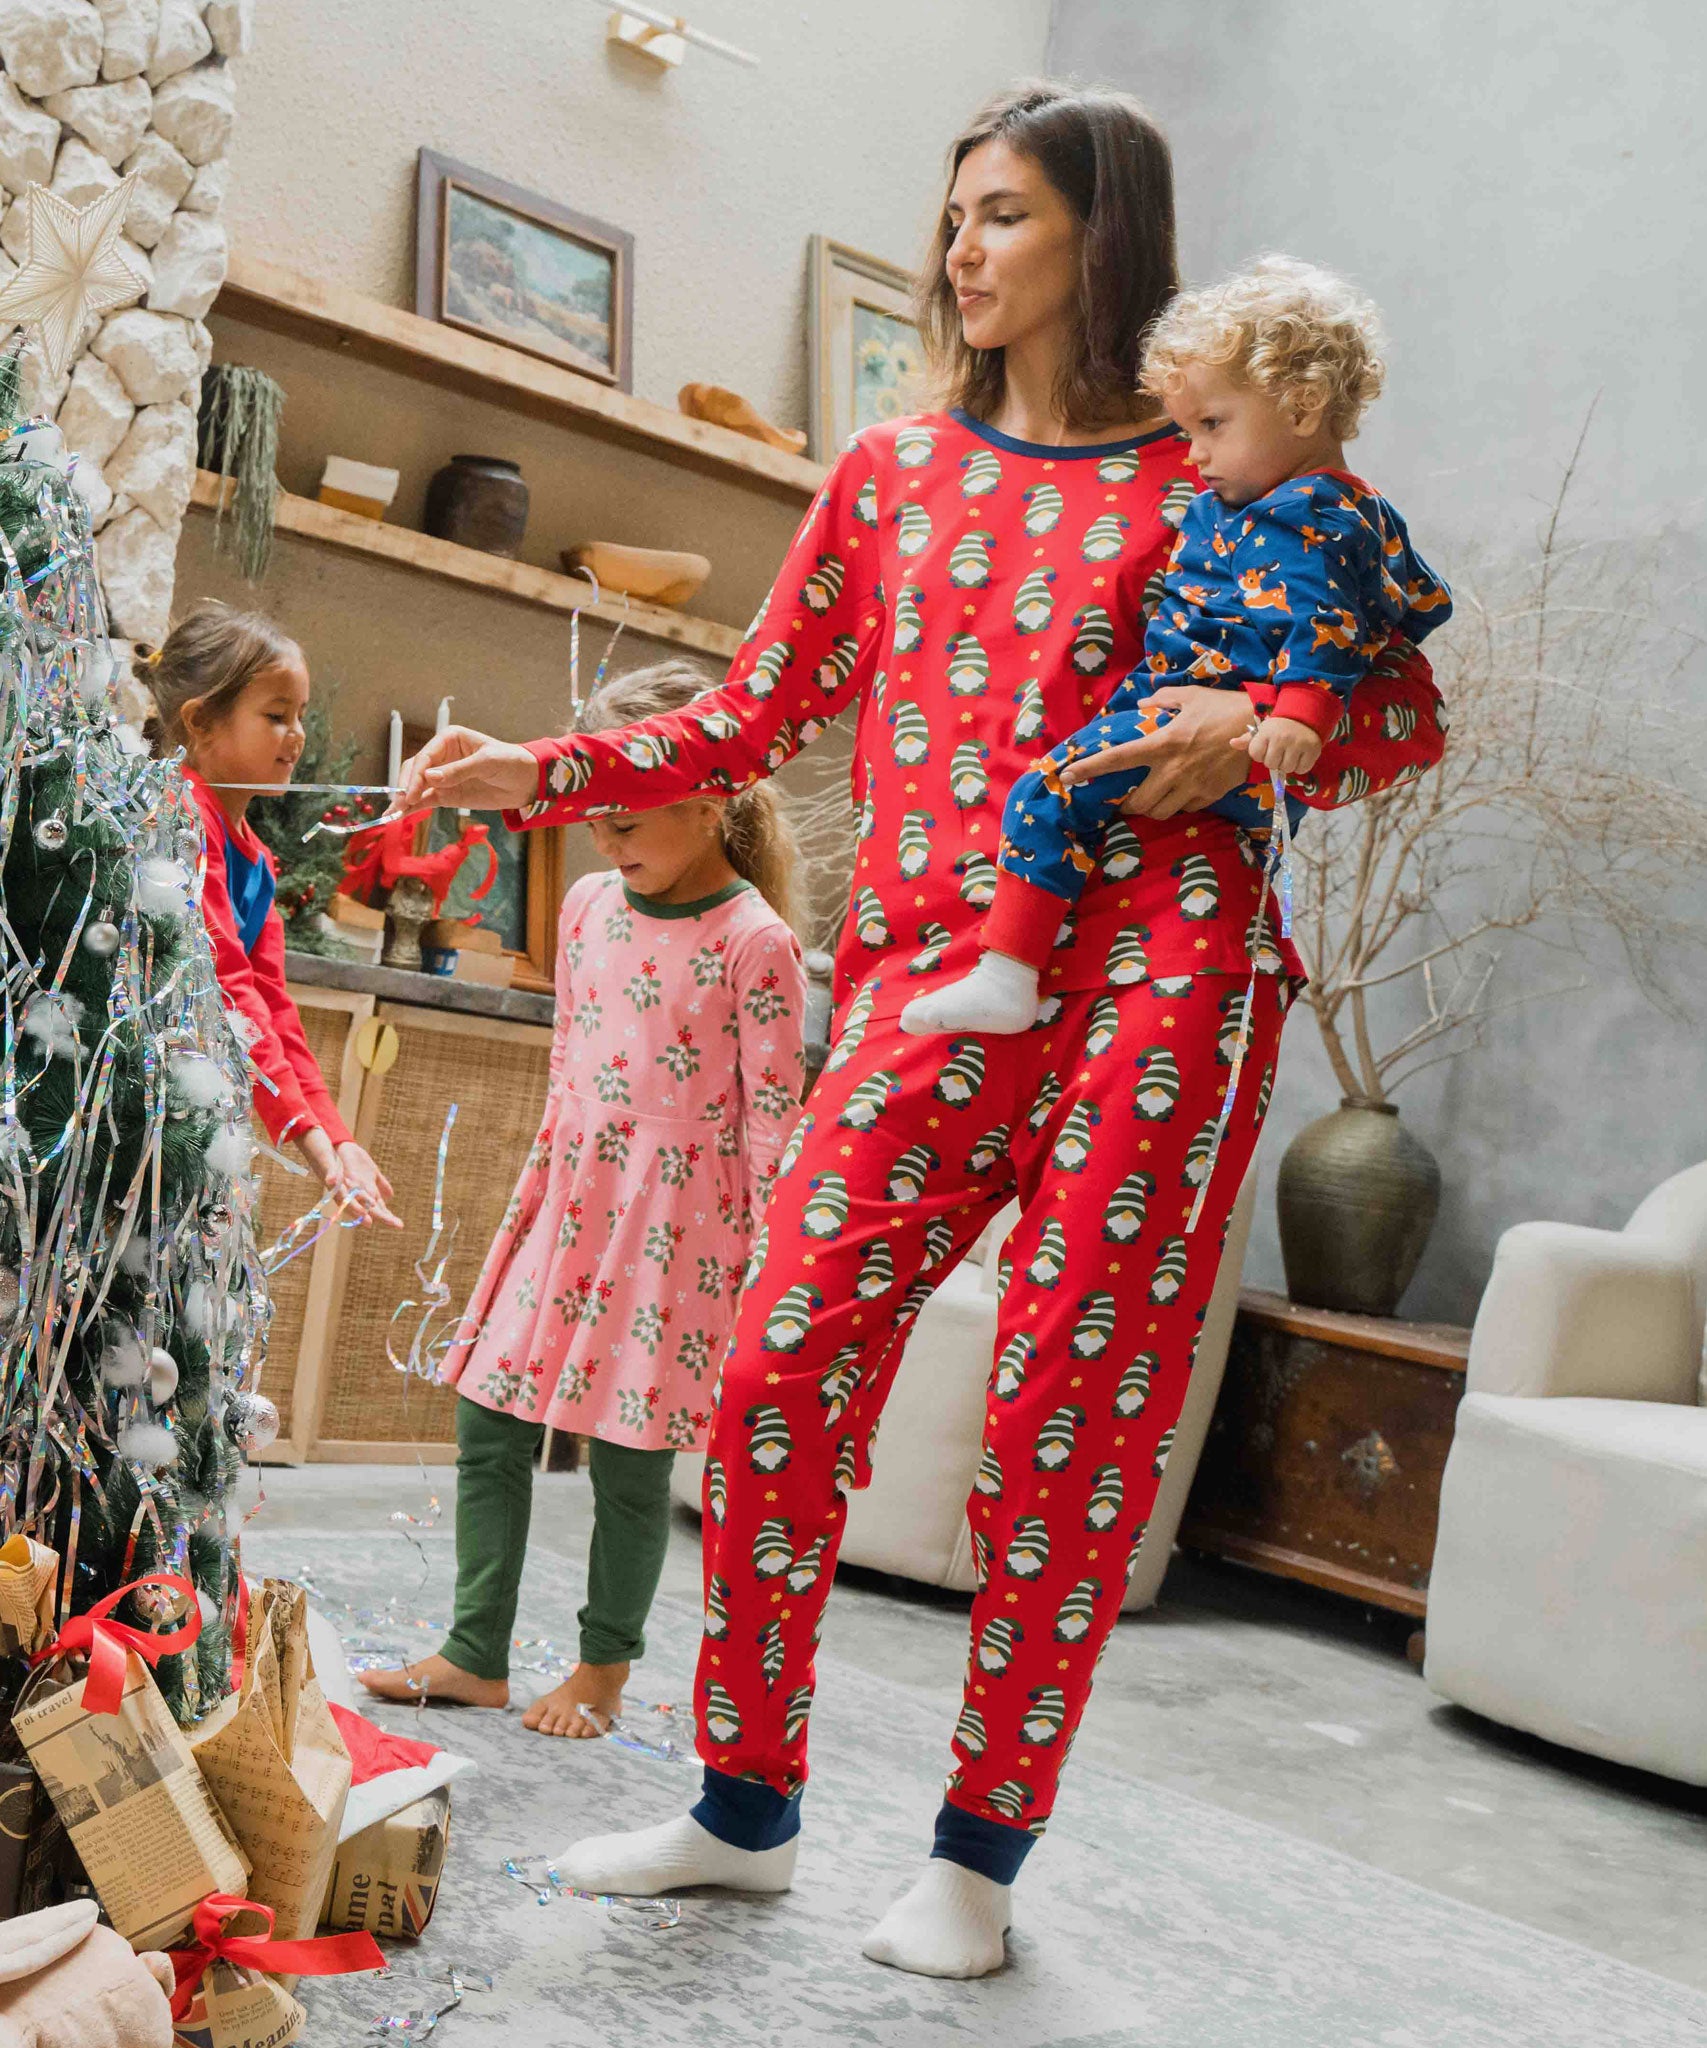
(977, 599)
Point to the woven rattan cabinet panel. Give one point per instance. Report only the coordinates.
(302, 1290)
(496, 1074)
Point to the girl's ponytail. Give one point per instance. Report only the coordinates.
(757, 836)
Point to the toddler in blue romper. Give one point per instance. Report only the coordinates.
(1287, 581)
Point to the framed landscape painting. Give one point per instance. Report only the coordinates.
(515, 267)
(866, 362)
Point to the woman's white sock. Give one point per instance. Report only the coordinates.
(672, 1856)
(949, 1925)
(999, 996)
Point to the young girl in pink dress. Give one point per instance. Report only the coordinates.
(608, 1295)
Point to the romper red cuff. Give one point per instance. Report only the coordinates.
(1311, 704)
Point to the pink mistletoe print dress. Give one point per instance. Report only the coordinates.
(608, 1295)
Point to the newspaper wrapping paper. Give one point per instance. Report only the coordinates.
(137, 1809)
(276, 1763)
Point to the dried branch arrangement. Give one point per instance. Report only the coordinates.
(1570, 804)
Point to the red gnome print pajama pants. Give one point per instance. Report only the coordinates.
(1101, 1122)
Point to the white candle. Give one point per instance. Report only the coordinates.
(444, 715)
(394, 752)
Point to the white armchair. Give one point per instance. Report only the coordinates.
(1569, 1590)
(911, 1520)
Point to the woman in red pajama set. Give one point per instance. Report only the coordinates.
(971, 585)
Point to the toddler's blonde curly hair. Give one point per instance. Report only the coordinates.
(1300, 335)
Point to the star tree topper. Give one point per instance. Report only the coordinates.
(74, 268)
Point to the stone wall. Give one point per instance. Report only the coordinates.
(91, 91)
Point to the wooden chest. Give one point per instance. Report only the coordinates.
(1324, 1458)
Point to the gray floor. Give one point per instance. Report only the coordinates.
(1273, 1704)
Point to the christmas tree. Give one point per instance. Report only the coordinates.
(133, 1307)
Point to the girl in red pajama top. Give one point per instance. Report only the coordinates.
(972, 584)
(230, 689)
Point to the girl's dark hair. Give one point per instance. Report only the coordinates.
(1112, 165)
(210, 656)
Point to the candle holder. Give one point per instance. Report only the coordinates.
(409, 906)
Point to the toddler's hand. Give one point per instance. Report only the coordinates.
(1284, 746)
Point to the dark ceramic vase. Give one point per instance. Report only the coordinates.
(479, 501)
(1357, 1198)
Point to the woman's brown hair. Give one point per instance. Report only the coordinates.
(1112, 165)
(757, 838)
(211, 656)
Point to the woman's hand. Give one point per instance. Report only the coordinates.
(468, 771)
(1193, 760)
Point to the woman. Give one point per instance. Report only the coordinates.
(973, 580)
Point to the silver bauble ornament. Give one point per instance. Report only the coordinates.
(101, 938)
(51, 833)
(252, 1421)
(162, 1376)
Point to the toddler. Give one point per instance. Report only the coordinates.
(1289, 577)
(608, 1295)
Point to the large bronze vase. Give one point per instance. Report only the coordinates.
(1358, 1197)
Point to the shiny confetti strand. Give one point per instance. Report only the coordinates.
(427, 1346)
(539, 1875)
(418, 2025)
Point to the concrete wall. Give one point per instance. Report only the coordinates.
(719, 173)
(1518, 188)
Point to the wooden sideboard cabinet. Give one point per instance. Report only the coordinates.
(395, 1067)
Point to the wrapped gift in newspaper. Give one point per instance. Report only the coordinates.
(120, 1773)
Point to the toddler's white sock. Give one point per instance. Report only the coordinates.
(999, 996)
(672, 1856)
(949, 1925)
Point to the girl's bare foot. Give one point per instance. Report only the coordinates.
(595, 1686)
(440, 1680)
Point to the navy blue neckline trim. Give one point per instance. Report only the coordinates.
(998, 439)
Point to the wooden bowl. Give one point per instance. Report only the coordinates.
(659, 575)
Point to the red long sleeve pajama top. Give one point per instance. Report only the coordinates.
(290, 1092)
(972, 600)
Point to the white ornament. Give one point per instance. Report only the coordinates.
(163, 888)
(195, 1079)
(102, 938)
(124, 1363)
(162, 1377)
(74, 269)
(148, 1443)
(52, 1020)
(231, 1151)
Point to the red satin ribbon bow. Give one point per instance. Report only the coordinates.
(325, 1955)
(105, 1642)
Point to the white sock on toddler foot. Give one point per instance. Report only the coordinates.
(999, 996)
(672, 1856)
(949, 1925)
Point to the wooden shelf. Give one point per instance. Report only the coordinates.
(268, 295)
(421, 552)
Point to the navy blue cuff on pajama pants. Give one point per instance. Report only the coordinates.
(744, 1814)
(986, 1846)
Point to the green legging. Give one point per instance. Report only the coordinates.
(494, 1497)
